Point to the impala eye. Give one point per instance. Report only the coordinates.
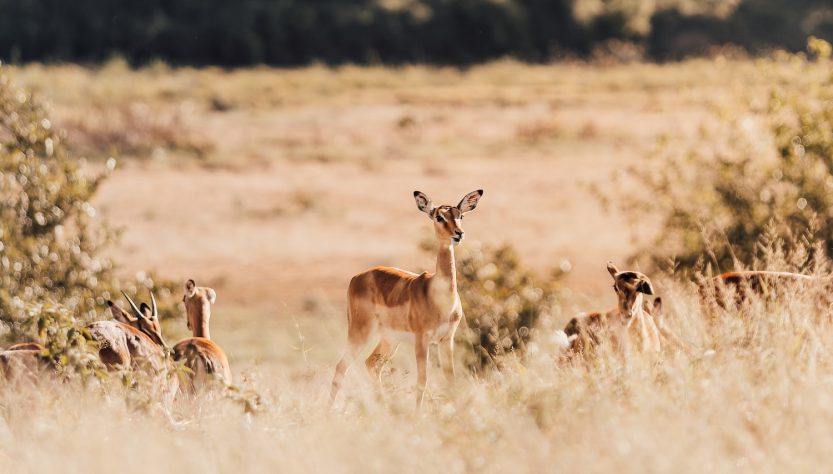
(440, 218)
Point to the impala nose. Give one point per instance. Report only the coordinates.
(458, 235)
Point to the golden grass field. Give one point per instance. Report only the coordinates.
(276, 186)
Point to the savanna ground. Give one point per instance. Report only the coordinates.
(276, 186)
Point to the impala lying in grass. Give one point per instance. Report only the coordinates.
(24, 361)
(631, 319)
(387, 305)
(764, 284)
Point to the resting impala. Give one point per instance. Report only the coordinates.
(24, 361)
(199, 353)
(630, 318)
(130, 340)
(761, 283)
(385, 304)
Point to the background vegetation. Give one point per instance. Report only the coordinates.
(53, 274)
(296, 32)
(763, 176)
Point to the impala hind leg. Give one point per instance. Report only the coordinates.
(358, 340)
(353, 354)
(380, 356)
(422, 367)
(446, 356)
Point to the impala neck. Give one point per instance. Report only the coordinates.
(199, 328)
(202, 331)
(445, 265)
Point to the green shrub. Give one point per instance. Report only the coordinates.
(768, 177)
(50, 239)
(502, 302)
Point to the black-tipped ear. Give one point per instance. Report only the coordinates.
(645, 287)
(145, 309)
(612, 269)
(423, 202)
(469, 201)
(572, 327)
(657, 307)
(190, 286)
(119, 314)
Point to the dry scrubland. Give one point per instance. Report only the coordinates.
(276, 186)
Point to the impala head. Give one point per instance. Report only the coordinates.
(628, 286)
(448, 220)
(144, 318)
(198, 301)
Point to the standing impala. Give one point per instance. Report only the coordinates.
(199, 353)
(385, 304)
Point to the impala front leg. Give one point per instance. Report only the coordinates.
(446, 354)
(447, 358)
(422, 367)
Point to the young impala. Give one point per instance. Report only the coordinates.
(386, 304)
(631, 317)
(199, 353)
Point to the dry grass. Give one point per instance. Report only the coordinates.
(754, 395)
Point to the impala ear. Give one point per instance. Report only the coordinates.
(146, 311)
(645, 286)
(423, 202)
(119, 314)
(612, 269)
(211, 294)
(190, 288)
(469, 201)
(657, 308)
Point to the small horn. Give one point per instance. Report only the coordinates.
(153, 309)
(133, 306)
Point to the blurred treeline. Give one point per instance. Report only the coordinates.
(294, 32)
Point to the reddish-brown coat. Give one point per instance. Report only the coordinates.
(384, 302)
(199, 353)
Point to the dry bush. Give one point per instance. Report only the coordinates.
(132, 129)
(539, 131)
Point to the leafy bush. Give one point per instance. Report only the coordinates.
(502, 302)
(717, 202)
(50, 240)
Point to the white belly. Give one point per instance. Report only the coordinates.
(393, 335)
